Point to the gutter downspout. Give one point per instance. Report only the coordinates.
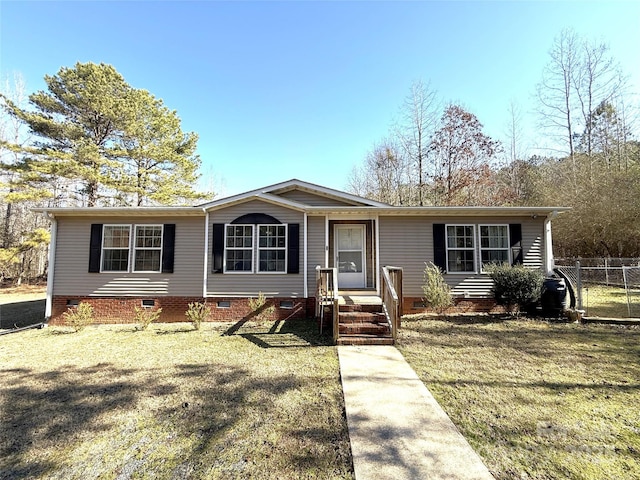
(549, 263)
(377, 253)
(304, 258)
(52, 262)
(206, 255)
(326, 241)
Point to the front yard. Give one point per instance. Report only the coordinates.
(536, 400)
(110, 402)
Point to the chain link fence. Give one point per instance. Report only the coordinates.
(632, 288)
(604, 287)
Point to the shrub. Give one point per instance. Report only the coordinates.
(437, 294)
(145, 317)
(197, 313)
(79, 317)
(260, 311)
(515, 286)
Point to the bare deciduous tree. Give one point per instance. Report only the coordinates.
(418, 120)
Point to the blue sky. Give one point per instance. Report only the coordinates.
(280, 90)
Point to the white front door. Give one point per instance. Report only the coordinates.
(350, 256)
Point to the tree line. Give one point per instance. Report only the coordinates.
(89, 140)
(438, 154)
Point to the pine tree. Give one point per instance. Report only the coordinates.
(110, 143)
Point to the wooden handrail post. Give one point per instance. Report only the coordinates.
(392, 297)
(327, 295)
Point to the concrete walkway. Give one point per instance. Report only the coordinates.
(397, 429)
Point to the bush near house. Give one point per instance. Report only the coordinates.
(197, 313)
(437, 293)
(79, 317)
(515, 286)
(145, 317)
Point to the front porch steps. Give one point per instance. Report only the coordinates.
(361, 321)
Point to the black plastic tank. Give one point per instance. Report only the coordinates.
(554, 296)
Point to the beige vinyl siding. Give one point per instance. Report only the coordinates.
(315, 250)
(307, 198)
(533, 242)
(407, 242)
(72, 261)
(250, 284)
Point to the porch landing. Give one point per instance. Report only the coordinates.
(358, 297)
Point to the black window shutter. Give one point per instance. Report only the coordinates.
(95, 247)
(168, 247)
(515, 235)
(218, 247)
(293, 248)
(439, 246)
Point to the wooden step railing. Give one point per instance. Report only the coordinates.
(392, 297)
(327, 295)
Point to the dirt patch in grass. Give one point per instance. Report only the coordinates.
(171, 402)
(536, 400)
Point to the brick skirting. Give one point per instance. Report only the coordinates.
(122, 309)
(413, 305)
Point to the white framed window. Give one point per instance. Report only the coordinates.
(238, 251)
(494, 244)
(461, 249)
(272, 248)
(116, 243)
(259, 248)
(147, 256)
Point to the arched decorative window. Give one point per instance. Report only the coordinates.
(256, 243)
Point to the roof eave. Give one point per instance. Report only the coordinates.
(122, 211)
(293, 184)
(265, 197)
(533, 212)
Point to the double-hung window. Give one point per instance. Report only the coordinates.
(256, 248)
(272, 248)
(460, 248)
(147, 248)
(115, 248)
(494, 244)
(239, 248)
(132, 248)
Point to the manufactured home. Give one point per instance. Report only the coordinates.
(299, 244)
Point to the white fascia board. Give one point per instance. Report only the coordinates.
(439, 211)
(265, 197)
(250, 194)
(293, 184)
(325, 192)
(122, 211)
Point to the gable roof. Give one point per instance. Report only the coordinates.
(272, 192)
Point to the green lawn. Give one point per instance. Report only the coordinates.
(110, 402)
(536, 400)
(608, 302)
(21, 306)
